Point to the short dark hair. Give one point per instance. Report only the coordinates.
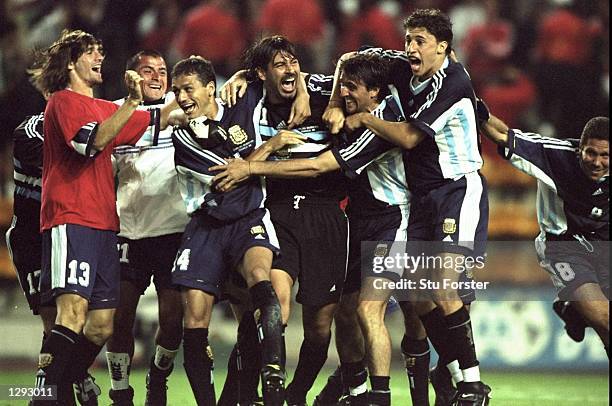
(262, 52)
(596, 128)
(434, 21)
(49, 72)
(370, 69)
(195, 65)
(133, 62)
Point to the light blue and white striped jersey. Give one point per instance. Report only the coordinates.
(376, 167)
(444, 108)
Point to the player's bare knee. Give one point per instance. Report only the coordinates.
(450, 305)
(72, 317)
(256, 274)
(345, 320)
(196, 320)
(318, 328)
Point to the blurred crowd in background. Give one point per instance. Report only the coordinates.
(541, 65)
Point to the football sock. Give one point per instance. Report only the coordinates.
(460, 328)
(119, 369)
(380, 394)
(244, 365)
(229, 395)
(269, 322)
(84, 355)
(416, 356)
(355, 377)
(333, 389)
(438, 334)
(199, 365)
(311, 360)
(55, 354)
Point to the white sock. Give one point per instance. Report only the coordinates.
(118, 367)
(472, 374)
(363, 388)
(455, 371)
(164, 357)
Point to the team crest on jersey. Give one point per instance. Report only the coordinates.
(258, 232)
(44, 360)
(449, 226)
(237, 135)
(380, 250)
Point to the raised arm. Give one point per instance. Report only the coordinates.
(334, 113)
(111, 127)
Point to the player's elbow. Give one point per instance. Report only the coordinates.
(322, 166)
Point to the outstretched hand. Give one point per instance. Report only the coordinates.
(283, 139)
(234, 88)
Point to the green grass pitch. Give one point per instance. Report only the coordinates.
(509, 388)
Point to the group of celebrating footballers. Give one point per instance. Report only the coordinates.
(237, 198)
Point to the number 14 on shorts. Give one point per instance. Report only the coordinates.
(182, 260)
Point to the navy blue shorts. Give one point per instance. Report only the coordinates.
(454, 218)
(210, 250)
(572, 263)
(389, 227)
(80, 260)
(149, 257)
(25, 250)
(313, 236)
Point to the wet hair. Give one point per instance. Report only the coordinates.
(195, 65)
(134, 61)
(49, 72)
(370, 69)
(434, 21)
(262, 52)
(597, 128)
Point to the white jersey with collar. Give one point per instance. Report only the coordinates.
(149, 202)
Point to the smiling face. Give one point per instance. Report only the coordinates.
(87, 70)
(280, 77)
(594, 158)
(155, 77)
(425, 53)
(357, 97)
(193, 97)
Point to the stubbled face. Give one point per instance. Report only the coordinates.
(357, 97)
(280, 77)
(594, 155)
(155, 77)
(88, 67)
(424, 52)
(192, 96)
